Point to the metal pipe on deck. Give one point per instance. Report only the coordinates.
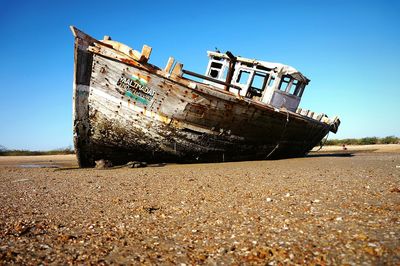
(232, 63)
(190, 73)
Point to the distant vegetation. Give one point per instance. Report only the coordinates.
(6, 152)
(364, 141)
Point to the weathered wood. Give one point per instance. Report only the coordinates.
(177, 70)
(112, 122)
(146, 51)
(170, 62)
(126, 111)
(124, 49)
(86, 38)
(81, 125)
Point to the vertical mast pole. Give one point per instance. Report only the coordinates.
(232, 63)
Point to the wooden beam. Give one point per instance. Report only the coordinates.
(177, 69)
(146, 51)
(83, 36)
(170, 62)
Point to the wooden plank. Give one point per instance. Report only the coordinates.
(125, 49)
(83, 61)
(170, 62)
(146, 51)
(83, 36)
(178, 69)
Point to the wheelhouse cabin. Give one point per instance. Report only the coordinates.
(271, 83)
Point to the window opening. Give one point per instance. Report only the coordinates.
(257, 84)
(216, 65)
(225, 73)
(243, 77)
(300, 89)
(215, 69)
(214, 73)
(271, 82)
(292, 89)
(284, 83)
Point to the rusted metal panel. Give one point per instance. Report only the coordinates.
(129, 110)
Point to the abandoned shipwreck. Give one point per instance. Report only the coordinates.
(127, 109)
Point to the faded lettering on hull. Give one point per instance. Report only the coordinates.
(135, 88)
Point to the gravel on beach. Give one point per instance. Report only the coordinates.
(323, 209)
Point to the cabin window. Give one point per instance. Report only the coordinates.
(243, 77)
(216, 65)
(300, 89)
(284, 83)
(225, 73)
(257, 84)
(271, 82)
(214, 73)
(293, 87)
(215, 68)
(258, 81)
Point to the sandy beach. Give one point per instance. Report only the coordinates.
(332, 207)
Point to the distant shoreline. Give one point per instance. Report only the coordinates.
(325, 148)
(69, 160)
(358, 148)
(36, 153)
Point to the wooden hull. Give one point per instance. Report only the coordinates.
(125, 111)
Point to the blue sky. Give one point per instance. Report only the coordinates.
(349, 49)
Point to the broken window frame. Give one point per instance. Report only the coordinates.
(272, 79)
(212, 66)
(300, 89)
(287, 82)
(294, 86)
(239, 76)
(252, 69)
(255, 91)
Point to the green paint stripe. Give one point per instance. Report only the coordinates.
(136, 98)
